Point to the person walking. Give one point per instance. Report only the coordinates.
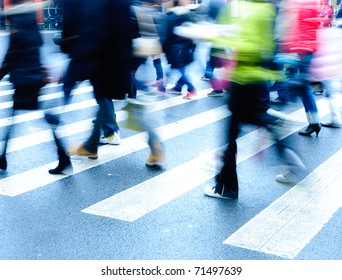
(83, 39)
(28, 76)
(249, 92)
(218, 57)
(296, 29)
(97, 37)
(179, 51)
(326, 66)
(151, 23)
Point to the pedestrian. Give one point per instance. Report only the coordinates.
(218, 57)
(179, 51)
(151, 23)
(28, 76)
(296, 30)
(249, 91)
(326, 66)
(97, 37)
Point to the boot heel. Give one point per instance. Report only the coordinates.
(311, 129)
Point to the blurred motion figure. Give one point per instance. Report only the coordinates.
(27, 74)
(249, 91)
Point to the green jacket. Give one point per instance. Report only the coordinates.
(253, 42)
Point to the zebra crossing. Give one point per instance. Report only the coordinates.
(132, 204)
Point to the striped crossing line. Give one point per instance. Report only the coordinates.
(140, 200)
(282, 222)
(290, 222)
(44, 136)
(38, 177)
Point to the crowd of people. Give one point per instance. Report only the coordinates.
(279, 45)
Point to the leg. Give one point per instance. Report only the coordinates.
(3, 160)
(159, 69)
(331, 91)
(110, 128)
(159, 74)
(64, 165)
(305, 92)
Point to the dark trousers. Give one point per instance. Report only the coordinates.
(248, 104)
(81, 70)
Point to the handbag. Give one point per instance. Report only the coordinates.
(136, 114)
(146, 46)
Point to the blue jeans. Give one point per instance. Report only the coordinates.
(81, 70)
(159, 69)
(184, 80)
(299, 84)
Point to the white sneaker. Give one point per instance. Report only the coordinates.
(287, 178)
(211, 191)
(112, 140)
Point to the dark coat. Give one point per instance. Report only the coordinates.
(178, 50)
(22, 60)
(100, 31)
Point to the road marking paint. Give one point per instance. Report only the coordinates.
(286, 226)
(135, 202)
(35, 115)
(38, 177)
(26, 141)
(51, 96)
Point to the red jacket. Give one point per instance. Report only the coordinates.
(299, 32)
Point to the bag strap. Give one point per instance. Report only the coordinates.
(144, 17)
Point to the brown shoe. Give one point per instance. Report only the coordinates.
(155, 159)
(82, 151)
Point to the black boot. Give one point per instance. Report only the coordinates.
(316, 127)
(64, 167)
(3, 162)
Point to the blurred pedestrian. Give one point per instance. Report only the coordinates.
(179, 51)
(28, 76)
(97, 37)
(151, 23)
(326, 66)
(296, 29)
(218, 57)
(249, 91)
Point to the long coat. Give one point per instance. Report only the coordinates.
(22, 60)
(101, 31)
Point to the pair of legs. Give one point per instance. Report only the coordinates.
(81, 70)
(26, 98)
(331, 89)
(248, 104)
(141, 85)
(298, 83)
(105, 118)
(184, 80)
(218, 59)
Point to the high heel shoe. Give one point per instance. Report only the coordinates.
(311, 128)
(3, 162)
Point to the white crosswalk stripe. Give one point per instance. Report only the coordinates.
(281, 219)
